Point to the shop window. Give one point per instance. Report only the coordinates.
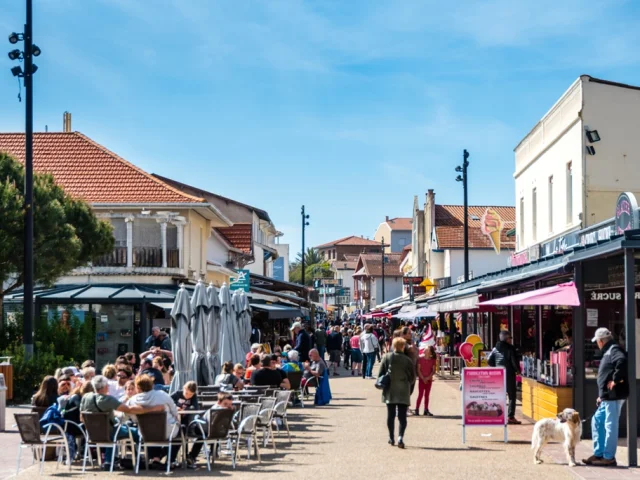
(114, 327)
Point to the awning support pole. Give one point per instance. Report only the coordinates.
(630, 329)
(579, 319)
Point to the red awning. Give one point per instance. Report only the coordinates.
(561, 294)
(376, 315)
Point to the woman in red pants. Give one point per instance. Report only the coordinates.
(426, 371)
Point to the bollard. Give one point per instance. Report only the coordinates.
(3, 403)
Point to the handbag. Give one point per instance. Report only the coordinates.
(384, 381)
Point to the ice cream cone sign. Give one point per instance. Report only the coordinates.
(491, 225)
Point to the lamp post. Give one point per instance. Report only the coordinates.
(463, 178)
(305, 224)
(30, 51)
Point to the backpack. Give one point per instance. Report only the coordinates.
(51, 415)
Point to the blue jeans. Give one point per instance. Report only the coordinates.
(604, 428)
(122, 434)
(321, 351)
(371, 359)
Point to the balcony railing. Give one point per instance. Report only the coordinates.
(142, 257)
(117, 258)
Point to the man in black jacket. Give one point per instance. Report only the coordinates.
(613, 389)
(504, 355)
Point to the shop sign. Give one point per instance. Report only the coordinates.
(526, 256)
(626, 213)
(241, 282)
(609, 296)
(484, 397)
(412, 280)
(594, 236)
(559, 244)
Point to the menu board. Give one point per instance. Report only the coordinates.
(484, 396)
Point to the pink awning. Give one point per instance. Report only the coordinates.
(561, 294)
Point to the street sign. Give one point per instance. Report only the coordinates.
(241, 282)
(412, 280)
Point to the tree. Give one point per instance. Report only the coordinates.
(314, 267)
(67, 234)
(311, 257)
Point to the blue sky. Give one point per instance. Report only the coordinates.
(350, 107)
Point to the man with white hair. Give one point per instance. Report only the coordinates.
(293, 365)
(99, 401)
(613, 389)
(302, 340)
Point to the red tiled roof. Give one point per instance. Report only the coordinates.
(350, 240)
(400, 223)
(450, 226)
(87, 170)
(372, 263)
(238, 235)
(407, 247)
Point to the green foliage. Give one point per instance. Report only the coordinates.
(314, 267)
(66, 232)
(55, 346)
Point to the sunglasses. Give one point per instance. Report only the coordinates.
(123, 376)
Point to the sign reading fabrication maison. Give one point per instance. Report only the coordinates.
(484, 396)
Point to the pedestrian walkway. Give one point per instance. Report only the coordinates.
(348, 439)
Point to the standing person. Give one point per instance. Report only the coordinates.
(334, 344)
(504, 355)
(368, 343)
(321, 340)
(426, 369)
(153, 340)
(613, 389)
(346, 348)
(397, 396)
(356, 353)
(302, 341)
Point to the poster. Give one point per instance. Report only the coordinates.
(592, 317)
(484, 396)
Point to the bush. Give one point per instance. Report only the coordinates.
(55, 346)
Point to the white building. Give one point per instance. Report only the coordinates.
(571, 167)
(396, 233)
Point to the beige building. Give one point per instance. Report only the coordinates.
(571, 167)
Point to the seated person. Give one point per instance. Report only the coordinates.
(269, 376)
(254, 364)
(293, 363)
(227, 379)
(148, 397)
(147, 368)
(99, 401)
(314, 370)
(225, 402)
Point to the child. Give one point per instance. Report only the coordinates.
(426, 370)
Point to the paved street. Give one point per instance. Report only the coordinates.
(348, 440)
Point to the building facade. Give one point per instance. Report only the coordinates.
(351, 245)
(576, 160)
(369, 279)
(396, 233)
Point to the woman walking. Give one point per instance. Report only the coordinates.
(368, 345)
(397, 395)
(426, 370)
(356, 354)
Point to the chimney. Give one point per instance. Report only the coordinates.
(66, 122)
(386, 218)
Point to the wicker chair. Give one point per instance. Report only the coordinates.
(219, 424)
(31, 436)
(99, 434)
(282, 403)
(153, 433)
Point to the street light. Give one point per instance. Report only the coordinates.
(463, 178)
(29, 69)
(305, 224)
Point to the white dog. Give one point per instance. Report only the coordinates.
(566, 428)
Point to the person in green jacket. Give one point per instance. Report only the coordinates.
(321, 340)
(398, 395)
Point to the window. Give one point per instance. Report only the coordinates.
(402, 242)
(569, 193)
(119, 231)
(522, 222)
(534, 213)
(551, 204)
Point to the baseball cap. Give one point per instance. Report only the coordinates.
(295, 325)
(600, 334)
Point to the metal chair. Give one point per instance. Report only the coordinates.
(99, 431)
(31, 437)
(247, 417)
(295, 379)
(153, 433)
(282, 402)
(265, 419)
(219, 422)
